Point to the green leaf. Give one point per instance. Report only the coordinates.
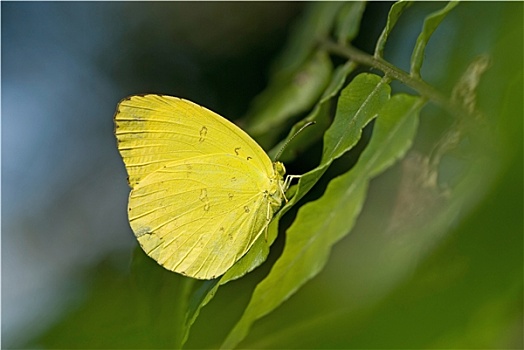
(348, 21)
(287, 97)
(358, 105)
(172, 293)
(394, 14)
(430, 24)
(321, 223)
(315, 24)
(200, 298)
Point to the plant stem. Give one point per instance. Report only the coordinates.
(423, 88)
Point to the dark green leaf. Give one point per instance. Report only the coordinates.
(393, 16)
(348, 21)
(430, 24)
(286, 98)
(316, 24)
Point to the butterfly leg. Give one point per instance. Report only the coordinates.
(289, 178)
(283, 190)
(287, 183)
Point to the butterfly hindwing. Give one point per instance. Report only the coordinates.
(197, 217)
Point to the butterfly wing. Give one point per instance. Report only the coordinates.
(154, 130)
(200, 184)
(197, 217)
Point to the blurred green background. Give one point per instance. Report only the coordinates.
(71, 274)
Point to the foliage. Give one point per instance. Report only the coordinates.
(428, 184)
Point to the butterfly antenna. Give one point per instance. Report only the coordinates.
(292, 137)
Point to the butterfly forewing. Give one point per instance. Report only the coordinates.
(154, 130)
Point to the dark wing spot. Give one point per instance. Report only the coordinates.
(203, 195)
(144, 230)
(246, 209)
(203, 198)
(237, 151)
(203, 134)
(249, 158)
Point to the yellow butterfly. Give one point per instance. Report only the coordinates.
(202, 190)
